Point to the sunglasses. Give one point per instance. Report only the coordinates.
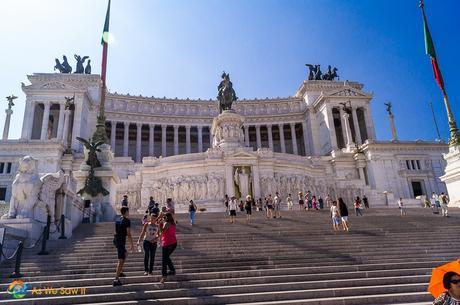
(455, 281)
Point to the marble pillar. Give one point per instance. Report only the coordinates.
(188, 148)
(332, 133)
(151, 140)
(305, 138)
(258, 140)
(61, 121)
(113, 135)
(6, 128)
(294, 139)
(270, 136)
(45, 121)
(211, 138)
(344, 132)
(356, 125)
(126, 139)
(139, 142)
(246, 135)
(348, 138)
(163, 140)
(176, 140)
(65, 135)
(200, 139)
(281, 131)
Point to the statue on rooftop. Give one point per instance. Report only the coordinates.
(226, 95)
(330, 74)
(63, 67)
(80, 62)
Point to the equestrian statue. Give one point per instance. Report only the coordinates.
(226, 95)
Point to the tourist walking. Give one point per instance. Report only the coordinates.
(321, 203)
(451, 282)
(192, 212)
(168, 245)
(248, 207)
(270, 206)
(149, 235)
(314, 204)
(124, 201)
(170, 206)
(358, 207)
(226, 201)
(289, 202)
(308, 198)
(153, 207)
(402, 207)
(343, 212)
(122, 231)
(444, 199)
(328, 201)
(232, 206)
(277, 205)
(366, 202)
(301, 202)
(335, 216)
(259, 204)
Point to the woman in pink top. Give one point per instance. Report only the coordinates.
(168, 245)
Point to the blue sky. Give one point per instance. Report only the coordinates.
(179, 49)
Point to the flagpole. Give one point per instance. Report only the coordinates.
(435, 122)
(100, 135)
(454, 138)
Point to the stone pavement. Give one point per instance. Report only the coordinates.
(298, 259)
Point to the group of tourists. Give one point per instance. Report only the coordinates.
(439, 201)
(158, 227)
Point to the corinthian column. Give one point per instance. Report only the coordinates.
(113, 135)
(176, 140)
(45, 121)
(61, 121)
(270, 136)
(294, 139)
(139, 142)
(163, 140)
(126, 139)
(246, 135)
(258, 140)
(281, 131)
(151, 140)
(356, 125)
(188, 148)
(200, 139)
(349, 138)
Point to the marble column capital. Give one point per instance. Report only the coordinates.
(176, 127)
(126, 124)
(139, 125)
(152, 126)
(164, 126)
(199, 127)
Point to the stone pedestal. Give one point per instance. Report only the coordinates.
(227, 130)
(394, 136)
(452, 175)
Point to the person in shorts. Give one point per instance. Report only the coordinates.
(269, 206)
(232, 206)
(277, 205)
(343, 212)
(122, 230)
(336, 220)
(301, 202)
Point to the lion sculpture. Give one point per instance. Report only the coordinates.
(31, 192)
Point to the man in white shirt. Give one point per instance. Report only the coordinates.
(444, 199)
(289, 202)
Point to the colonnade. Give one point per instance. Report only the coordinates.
(167, 140)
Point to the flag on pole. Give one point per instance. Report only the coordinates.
(429, 49)
(104, 42)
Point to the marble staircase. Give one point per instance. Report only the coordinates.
(296, 259)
